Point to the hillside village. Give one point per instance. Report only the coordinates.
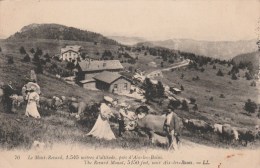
(208, 90)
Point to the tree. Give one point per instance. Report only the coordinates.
(0, 49)
(220, 73)
(10, 60)
(39, 68)
(160, 89)
(32, 50)
(184, 105)
(26, 58)
(234, 77)
(70, 66)
(149, 93)
(22, 50)
(248, 76)
(195, 108)
(253, 83)
(38, 52)
(182, 88)
(174, 104)
(250, 106)
(162, 64)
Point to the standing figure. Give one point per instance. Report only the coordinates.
(123, 114)
(7, 101)
(102, 129)
(32, 103)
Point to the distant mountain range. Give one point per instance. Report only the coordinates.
(219, 49)
(127, 40)
(59, 32)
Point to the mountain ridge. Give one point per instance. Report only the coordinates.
(59, 32)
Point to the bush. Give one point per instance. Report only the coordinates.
(250, 106)
(192, 100)
(182, 88)
(253, 83)
(211, 99)
(248, 76)
(234, 77)
(195, 107)
(214, 67)
(10, 60)
(222, 96)
(202, 70)
(184, 105)
(220, 73)
(174, 104)
(26, 58)
(22, 50)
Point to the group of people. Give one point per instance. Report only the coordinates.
(31, 97)
(102, 129)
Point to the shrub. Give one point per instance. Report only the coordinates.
(222, 96)
(32, 50)
(0, 49)
(174, 104)
(10, 60)
(195, 107)
(253, 83)
(220, 73)
(26, 58)
(211, 99)
(214, 67)
(184, 105)
(234, 77)
(248, 76)
(182, 88)
(192, 100)
(22, 50)
(202, 70)
(250, 106)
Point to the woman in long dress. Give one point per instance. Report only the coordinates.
(102, 129)
(33, 99)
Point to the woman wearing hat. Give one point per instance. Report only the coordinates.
(102, 129)
(33, 100)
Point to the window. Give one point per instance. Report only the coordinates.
(115, 87)
(125, 86)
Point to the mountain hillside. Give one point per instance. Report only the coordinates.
(59, 32)
(127, 40)
(219, 49)
(249, 57)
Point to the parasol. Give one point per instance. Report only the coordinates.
(30, 85)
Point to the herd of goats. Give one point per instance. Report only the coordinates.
(226, 132)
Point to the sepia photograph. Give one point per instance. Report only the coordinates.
(129, 83)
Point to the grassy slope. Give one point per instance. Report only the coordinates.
(220, 110)
(55, 127)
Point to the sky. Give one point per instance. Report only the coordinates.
(211, 20)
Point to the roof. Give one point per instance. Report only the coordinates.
(87, 80)
(100, 65)
(108, 77)
(74, 48)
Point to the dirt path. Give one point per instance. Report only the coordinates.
(189, 155)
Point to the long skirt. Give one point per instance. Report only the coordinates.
(102, 129)
(31, 109)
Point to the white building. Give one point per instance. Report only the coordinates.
(70, 53)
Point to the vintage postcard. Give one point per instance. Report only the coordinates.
(129, 83)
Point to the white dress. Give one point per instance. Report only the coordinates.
(31, 108)
(102, 129)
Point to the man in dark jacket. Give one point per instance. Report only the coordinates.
(7, 101)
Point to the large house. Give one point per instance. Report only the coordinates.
(88, 69)
(70, 53)
(103, 75)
